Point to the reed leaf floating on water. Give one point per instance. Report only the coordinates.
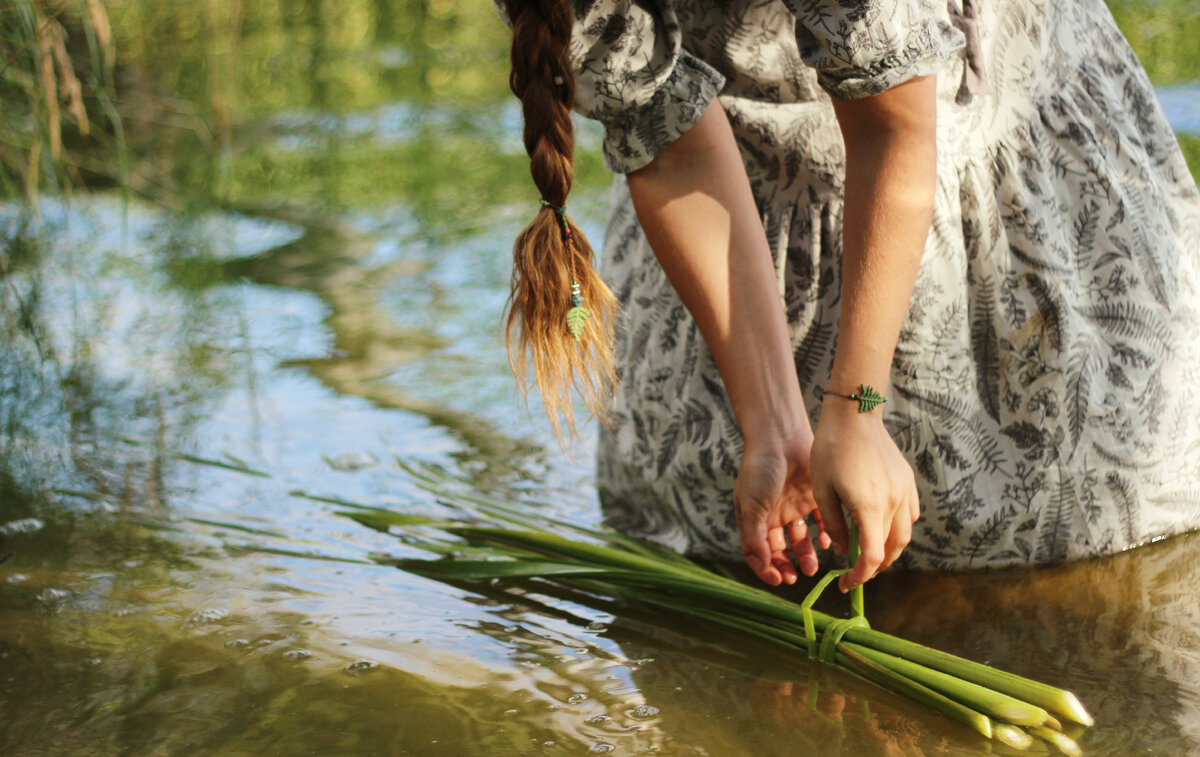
(1013, 710)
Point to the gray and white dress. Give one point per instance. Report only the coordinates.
(1046, 385)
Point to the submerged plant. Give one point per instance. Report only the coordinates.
(519, 543)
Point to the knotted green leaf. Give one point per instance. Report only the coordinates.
(576, 318)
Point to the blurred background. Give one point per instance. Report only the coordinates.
(253, 260)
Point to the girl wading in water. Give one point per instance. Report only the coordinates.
(963, 246)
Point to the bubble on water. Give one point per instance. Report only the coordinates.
(554, 707)
(580, 650)
(576, 698)
(97, 660)
(17, 578)
(643, 712)
(207, 615)
(639, 662)
(53, 595)
(596, 719)
(511, 712)
(296, 655)
(601, 747)
(360, 667)
(23, 526)
(597, 626)
(548, 743)
(237, 643)
(511, 629)
(264, 643)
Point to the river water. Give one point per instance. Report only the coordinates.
(194, 387)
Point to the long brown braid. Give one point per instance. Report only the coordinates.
(551, 253)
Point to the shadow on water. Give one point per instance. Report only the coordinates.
(190, 389)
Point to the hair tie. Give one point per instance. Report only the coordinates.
(561, 212)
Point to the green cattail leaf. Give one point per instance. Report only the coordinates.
(576, 318)
(1049, 698)
(890, 679)
(1061, 741)
(1012, 736)
(991, 703)
(383, 521)
(478, 570)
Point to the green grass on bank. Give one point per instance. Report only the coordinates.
(1165, 34)
(1190, 144)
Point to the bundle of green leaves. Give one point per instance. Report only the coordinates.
(504, 542)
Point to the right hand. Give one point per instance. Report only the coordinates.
(772, 497)
(858, 470)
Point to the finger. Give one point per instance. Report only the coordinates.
(777, 542)
(870, 543)
(914, 505)
(787, 570)
(823, 538)
(806, 553)
(898, 538)
(756, 551)
(776, 539)
(829, 509)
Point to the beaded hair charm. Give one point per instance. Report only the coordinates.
(577, 316)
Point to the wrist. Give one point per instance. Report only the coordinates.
(844, 409)
(774, 423)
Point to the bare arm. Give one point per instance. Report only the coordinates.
(891, 174)
(695, 205)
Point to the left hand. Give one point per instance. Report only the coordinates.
(772, 496)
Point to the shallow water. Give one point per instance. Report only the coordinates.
(190, 387)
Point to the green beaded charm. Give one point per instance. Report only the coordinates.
(577, 316)
(868, 398)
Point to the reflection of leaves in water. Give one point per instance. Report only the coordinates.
(368, 345)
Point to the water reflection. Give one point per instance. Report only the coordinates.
(332, 259)
(321, 301)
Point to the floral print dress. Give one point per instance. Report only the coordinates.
(1046, 385)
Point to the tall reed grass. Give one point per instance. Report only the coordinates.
(56, 83)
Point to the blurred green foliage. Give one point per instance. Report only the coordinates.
(337, 103)
(1190, 143)
(1165, 34)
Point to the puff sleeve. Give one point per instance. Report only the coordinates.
(633, 75)
(863, 47)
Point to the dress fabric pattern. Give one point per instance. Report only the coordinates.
(1044, 382)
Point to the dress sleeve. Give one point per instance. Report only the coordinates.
(633, 75)
(863, 47)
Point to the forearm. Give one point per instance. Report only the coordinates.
(695, 205)
(891, 174)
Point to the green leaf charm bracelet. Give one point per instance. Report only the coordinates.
(867, 398)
